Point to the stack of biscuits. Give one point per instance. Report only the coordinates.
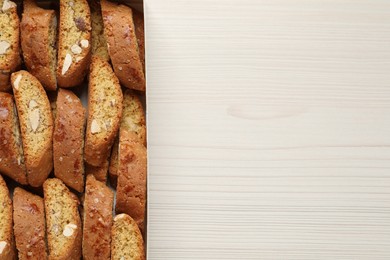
(72, 176)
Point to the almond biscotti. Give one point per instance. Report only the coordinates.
(11, 151)
(74, 42)
(98, 202)
(36, 125)
(99, 43)
(63, 223)
(7, 243)
(122, 44)
(38, 40)
(131, 187)
(29, 225)
(9, 42)
(127, 242)
(104, 112)
(68, 140)
(133, 120)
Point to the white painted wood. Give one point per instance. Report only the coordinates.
(269, 129)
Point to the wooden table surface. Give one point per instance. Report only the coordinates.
(269, 129)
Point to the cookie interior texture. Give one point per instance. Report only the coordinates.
(127, 240)
(9, 32)
(62, 218)
(34, 113)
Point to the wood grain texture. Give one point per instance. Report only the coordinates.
(268, 129)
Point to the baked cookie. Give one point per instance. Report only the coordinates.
(36, 125)
(9, 42)
(68, 140)
(133, 120)
(11, 151)
(7, 243)
(74, 42)
(99, 43)
(98, 202)
(122, 44)
(131, 187)
(100, 172)
(29, 225)
(38, 31)
(63, 223)
(104, 112)
(127, 242)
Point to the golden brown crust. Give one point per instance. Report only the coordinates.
(11, 152)
(100, 172)
(34, 27)
(133, 120)
(9, 26)
(74, 28)
(36, 125)
(7, 242)
(131, 187)
(122, 45)
(68, 140)
(29, 225)
(63, 223)
(127, 242)
(104, 112)
(98, 204)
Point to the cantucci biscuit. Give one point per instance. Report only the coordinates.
(36, 125)
(68, 140)
(11, 151)
(133, 120)
(38, 40)
(74, 42)
(122, 44)
(104, 112)
(98, 202)
(29, 225)
(63, 223)
(131, 187)
(9, 42)
(127, 242)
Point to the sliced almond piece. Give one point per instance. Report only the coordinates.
(69, 229)
(67, 63)
(3, 244)
(95, 127)
(76, 49)
(32, 104)
(84, 43)
(34, 119)
(7, 5)
(17, 81)
(4, 45)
